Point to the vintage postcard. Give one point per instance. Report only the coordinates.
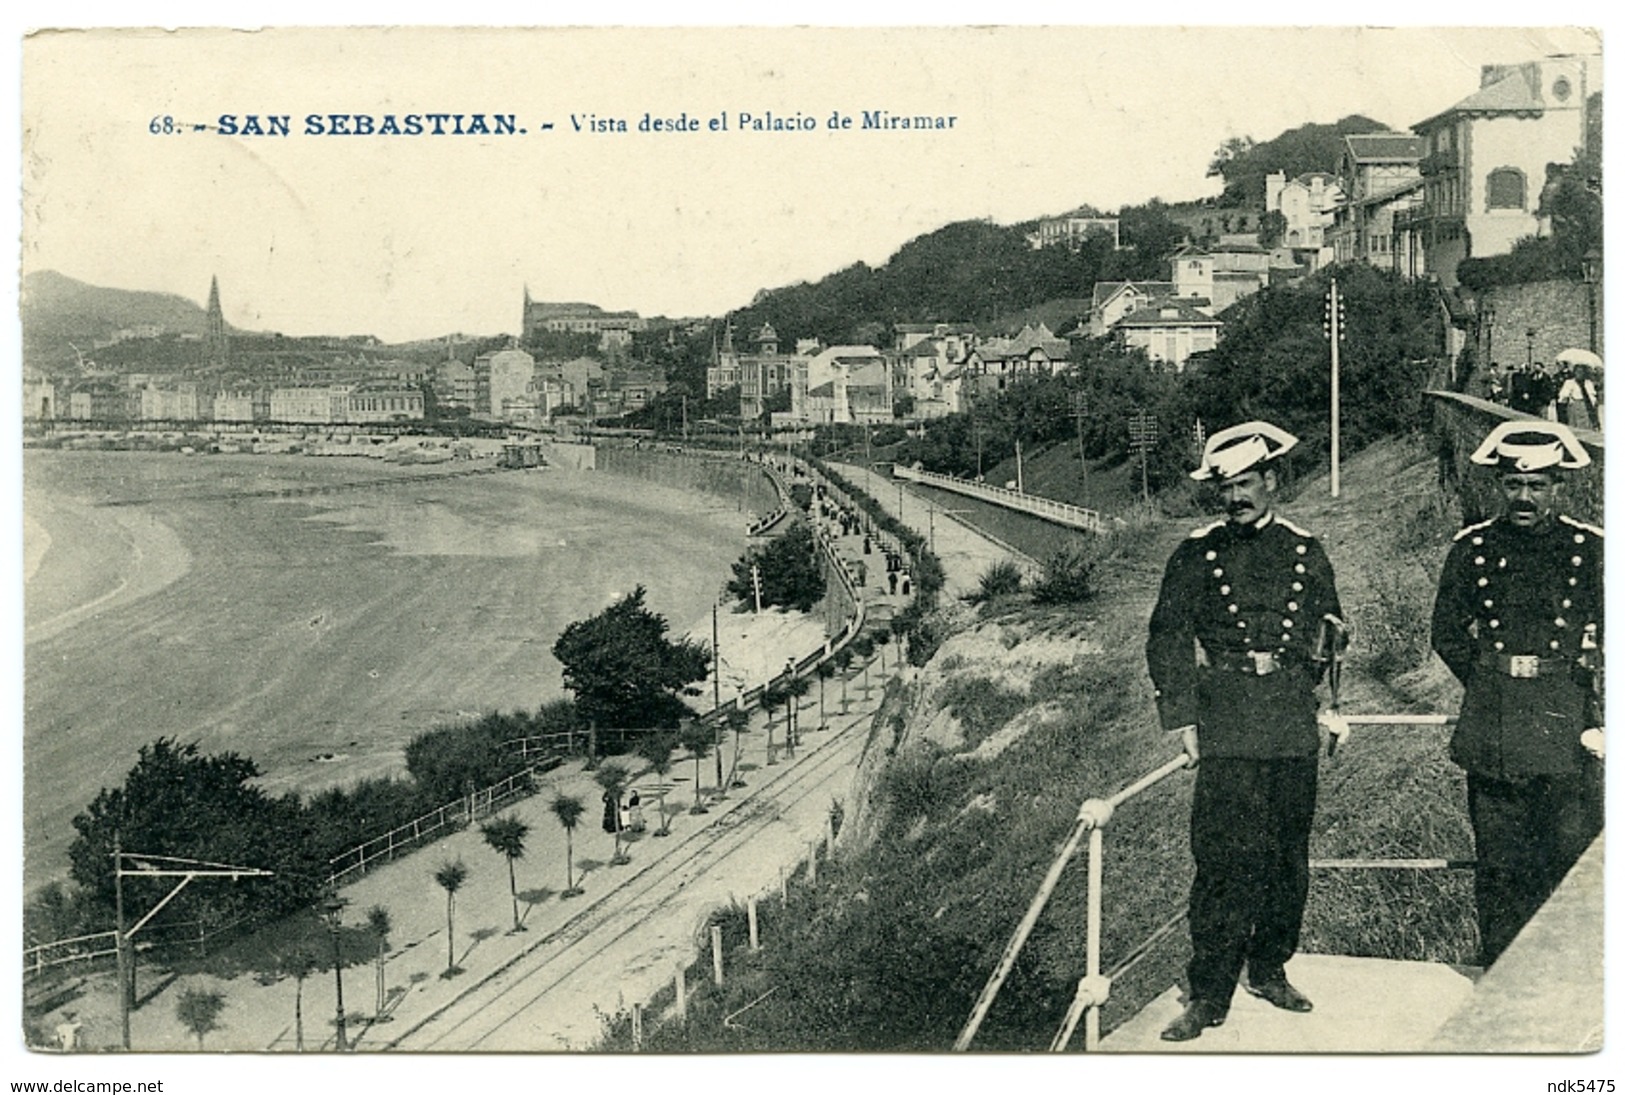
(846, 540)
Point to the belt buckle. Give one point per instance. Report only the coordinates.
(1264, 662)
(1523, 666)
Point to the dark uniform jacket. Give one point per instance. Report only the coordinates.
(1232, 638)
(1519, 621)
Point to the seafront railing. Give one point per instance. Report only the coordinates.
(1061, 513)
(352, 864)
(1093, 818)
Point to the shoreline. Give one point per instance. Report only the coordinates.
(320, 640)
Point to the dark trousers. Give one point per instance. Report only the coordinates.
(1527, 833)
(1250, 822)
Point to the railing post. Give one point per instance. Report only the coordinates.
(1091, 1019)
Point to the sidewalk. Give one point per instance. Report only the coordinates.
(965, 553)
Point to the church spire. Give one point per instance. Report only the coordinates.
(216, 348)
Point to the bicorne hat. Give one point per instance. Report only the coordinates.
(1529, 446)
(1241, 448)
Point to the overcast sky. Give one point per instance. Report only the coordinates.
(408, 237)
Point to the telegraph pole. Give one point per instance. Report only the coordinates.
(1334, 334)
(1080, 407)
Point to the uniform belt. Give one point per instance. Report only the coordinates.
(1254, 663)
(1526, 666)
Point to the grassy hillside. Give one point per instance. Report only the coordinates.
(977, 765)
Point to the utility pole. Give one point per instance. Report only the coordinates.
(1021, 483)
(120, 942)
(1142, 436)
(756, 585)
(1334, 334)
(1080, 407)
(716, 663)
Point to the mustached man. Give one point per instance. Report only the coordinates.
(1519, 621)
(1234, 652)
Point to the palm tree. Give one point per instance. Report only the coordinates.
(378, 923)
(826, 670)
(657, 749)
(696, 738)
(899, 631)
(863, 647)
(298, 964)
(773, 697)
(612, 777)
(199, 1011)
(795, 688)
(507, 835)
(843, 662)
(451, 875)
(881, 640)
(738, 720)
(568, 809)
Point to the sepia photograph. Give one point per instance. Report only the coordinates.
(716, 541)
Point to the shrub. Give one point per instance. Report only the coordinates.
(1002, 579)
(1068, 578)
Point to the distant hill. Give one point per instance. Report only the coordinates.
(1244, 164)
(58, 311)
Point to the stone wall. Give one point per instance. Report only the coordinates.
(1561, 313)
(1460, 423)
(739, 481)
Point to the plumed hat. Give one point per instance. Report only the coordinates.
(1529, 446)
(1241, 448)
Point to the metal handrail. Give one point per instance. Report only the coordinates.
(1062, 513)
(1093, 816)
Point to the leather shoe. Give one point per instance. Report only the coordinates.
(1197, 1017)
(1279, 991)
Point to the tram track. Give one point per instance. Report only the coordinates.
(505, 996)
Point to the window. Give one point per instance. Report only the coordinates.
(1505, 189)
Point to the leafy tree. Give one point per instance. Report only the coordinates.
(379, 925)
(568, 809)
(450, 877)
(506, 835)
(177, 801)
(199, 1011)
(1313, 147)
(298, 963)
(788, 569)
(612, 778)
(1271, 228)
(657, 750)
(448, 760)
(1273, 363)
(695, 737)
(624, 671)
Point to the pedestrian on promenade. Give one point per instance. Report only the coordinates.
(612, 811)
(1519, 621)
(1233, 651)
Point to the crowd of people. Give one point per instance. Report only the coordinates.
(1570, 394)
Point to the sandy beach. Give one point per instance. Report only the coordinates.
(316, 634)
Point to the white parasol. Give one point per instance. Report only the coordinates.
(1579, 357)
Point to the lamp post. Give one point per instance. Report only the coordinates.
(1591, 271)
(1529, 345)
(332, 910)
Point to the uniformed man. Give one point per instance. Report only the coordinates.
(1519, 621)
(1235, 651)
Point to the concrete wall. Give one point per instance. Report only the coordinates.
(1460, 423)
(1562, 314)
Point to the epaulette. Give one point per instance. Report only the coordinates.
(1572, 523)
(1473, 528)
(1289, 526)
(1198, 533)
